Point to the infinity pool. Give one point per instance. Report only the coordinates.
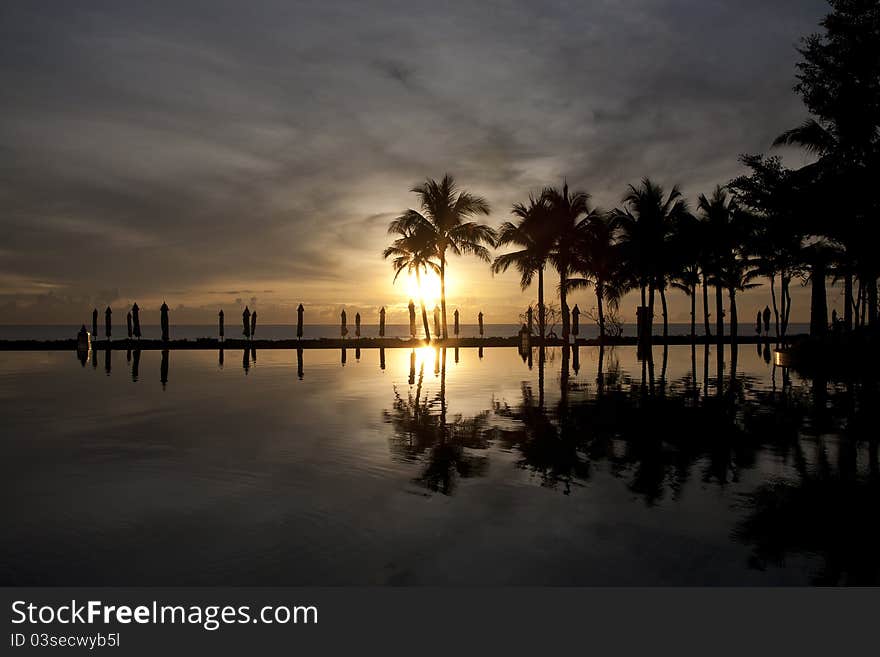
(462, 467)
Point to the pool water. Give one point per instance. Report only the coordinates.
(460, 467)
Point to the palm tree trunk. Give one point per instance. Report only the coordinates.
(734, 329)
(782, 306)
(665, 314)
(541, 312)
(872, 301)
(651, 310)
(422, 304)
(563, 302)
(641, 321)
(848, 301)
(786, 293)
(706, 326)
(694, 313)
(818, 300)
(443, 293)
(773, 299)
(719, 313)
(860, 303)
(599, 294)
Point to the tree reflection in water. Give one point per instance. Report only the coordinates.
(655, 435)
(444, 447)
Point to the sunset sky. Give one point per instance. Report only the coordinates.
(216, 153)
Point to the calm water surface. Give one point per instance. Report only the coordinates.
(434, 467)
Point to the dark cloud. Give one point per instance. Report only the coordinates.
(181, 148)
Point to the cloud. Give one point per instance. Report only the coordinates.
(171, 153)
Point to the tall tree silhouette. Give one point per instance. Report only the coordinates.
(769, 193)
(737, 274)
(446, 215)
(413, 251)
(722, 234)
(839, 81)
(533, 234)
(647, 223)
(689, 272)
(569, 213)
(598, 262)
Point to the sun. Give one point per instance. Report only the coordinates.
(430, 289)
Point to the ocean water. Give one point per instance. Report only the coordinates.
(429, 466)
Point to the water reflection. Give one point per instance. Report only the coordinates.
(757, 473)
(657, 434)
(163, 368)
(443, 447)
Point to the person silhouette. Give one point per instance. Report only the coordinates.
(767, 320)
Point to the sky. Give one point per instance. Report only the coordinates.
(217, 154)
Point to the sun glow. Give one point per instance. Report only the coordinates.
(430, 289)
(426, 359)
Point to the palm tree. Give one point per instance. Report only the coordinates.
(532, 233)
(771, 195)
(718, 214)
(647, 221)
(737, 275)
(413, 252)
(832, 191)
(598, 261)
(446, 216)
(686, 275)
(569, 214)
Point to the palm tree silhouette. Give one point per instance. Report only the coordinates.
(569, 214)
(686, 275)
(718, 213)
(446, 218)
(533, 233)
(831, 187)
(413, 252)
(598, 260)
(769, 194)
(737, 275)
(647, 222)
